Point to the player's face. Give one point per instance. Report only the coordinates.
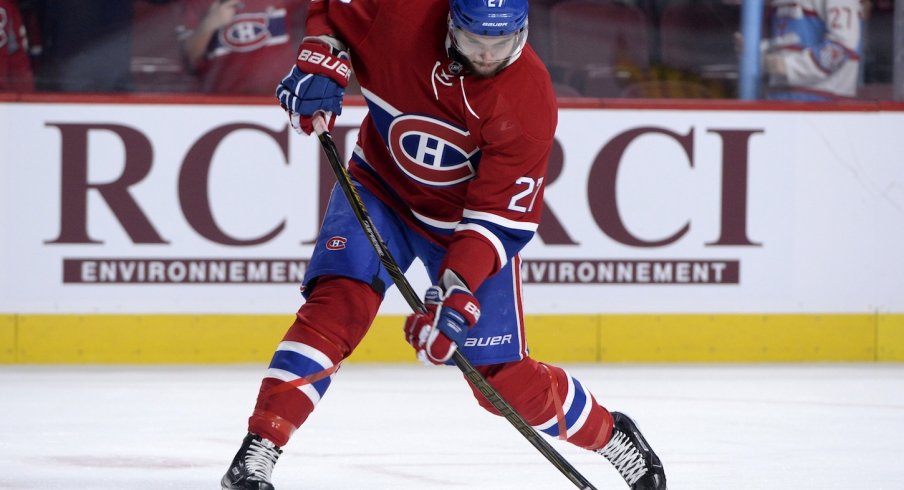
(486, 55)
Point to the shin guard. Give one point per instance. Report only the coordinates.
(326, 330)
(550, 400)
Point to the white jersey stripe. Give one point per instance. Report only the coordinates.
(499, 220)
(493, 239)
(386, 106)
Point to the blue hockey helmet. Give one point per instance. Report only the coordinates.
(489, 17)
(488, 35)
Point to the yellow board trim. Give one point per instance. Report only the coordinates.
(8, 340)
(890, 338)
(214, 339)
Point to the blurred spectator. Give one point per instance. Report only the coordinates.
(15, 67)
(157, 60)
(814, 49)
(879, 51)
(86, 44)
(241, 47)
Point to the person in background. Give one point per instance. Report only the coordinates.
(15, 66)
(814, 49)
(240, 46)
(86, 45)
(450, 162)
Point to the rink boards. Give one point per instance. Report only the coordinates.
(153, 230)
(151, 339)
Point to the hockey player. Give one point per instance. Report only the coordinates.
(450, 163)
(814, 50)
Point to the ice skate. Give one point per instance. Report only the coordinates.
(252, 465)
(632, 456)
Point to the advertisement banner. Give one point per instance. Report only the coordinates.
(201, 209)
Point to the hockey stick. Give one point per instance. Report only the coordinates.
(398, 277)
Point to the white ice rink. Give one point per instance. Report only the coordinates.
(837, 426)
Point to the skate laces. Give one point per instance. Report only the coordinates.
(260, 459)
(625, 456)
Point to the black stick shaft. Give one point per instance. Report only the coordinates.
(398, 277)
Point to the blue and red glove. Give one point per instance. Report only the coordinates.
(316, 84)
(451, 311)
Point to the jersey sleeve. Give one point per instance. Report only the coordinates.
(505, 200)
(350, 22)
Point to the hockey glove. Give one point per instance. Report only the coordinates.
(316, 84)
(451, 311)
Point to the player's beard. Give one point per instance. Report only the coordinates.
(483, 70)
(476, 68)
(479, 70)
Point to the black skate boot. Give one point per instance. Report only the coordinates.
(252, 465)
(629, 452)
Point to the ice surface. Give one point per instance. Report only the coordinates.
(400, 427)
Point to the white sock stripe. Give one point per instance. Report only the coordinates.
(307, 351)
(569, 397)
(566, 406)
(585, 412)
(546, 425)
(288, 377)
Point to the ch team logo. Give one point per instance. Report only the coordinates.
(831, 56)
(336, 243)
(246, 33)
(432, 152)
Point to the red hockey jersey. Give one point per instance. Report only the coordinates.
(461, 158)
(15, 67)
(248, 55)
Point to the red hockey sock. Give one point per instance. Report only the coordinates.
(326, 330)
(550, 400)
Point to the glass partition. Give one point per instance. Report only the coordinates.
(652, 49)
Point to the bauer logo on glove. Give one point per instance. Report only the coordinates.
(315, 84)
(451, 311)
(337, 65)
